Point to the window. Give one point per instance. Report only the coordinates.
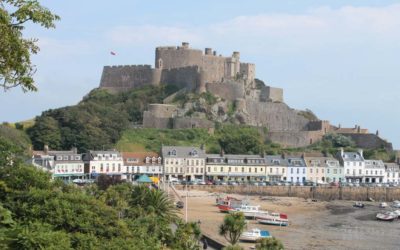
(359, 164)
(249, 170)
(209, 169)
(113, 167)
(66, 158)
(201, 170)
(316, 171)
(255, 169)
(119, 167)
(242, 170)
(298, 170)
(93, 167)
(359, 171)
(229, 169)
(311, 170)
(101, 168)
(283, 170)
(222, 169)
(270, 170)
(197, 162)
(197, 170)
(291, 170)
(304, 170)
(77, 157)
(277, 170)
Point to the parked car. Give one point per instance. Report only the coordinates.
(179, 204)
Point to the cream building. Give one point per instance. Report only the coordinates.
(241, 168)
(184, 163)
(391, 173)
(276, 168)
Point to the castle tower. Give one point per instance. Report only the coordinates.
(201, 82)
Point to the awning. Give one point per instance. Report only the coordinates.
(144, 179)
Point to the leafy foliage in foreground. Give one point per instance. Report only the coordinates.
(38, 213)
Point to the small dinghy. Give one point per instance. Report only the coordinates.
(359, 205)
(254, 235)
(383, 205)
(388, 216)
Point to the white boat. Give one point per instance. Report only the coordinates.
(277, 219)
(387, 216)
(397, 212)
(254, 235)
(396, 204)
(249, 211)
(383, 205)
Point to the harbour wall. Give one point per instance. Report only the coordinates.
(319, 193)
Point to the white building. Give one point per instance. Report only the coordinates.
(392, 173)
(296, 172)
(186, 163)
(374, 171)
(140, 163)
(354, 165)
(105, 162)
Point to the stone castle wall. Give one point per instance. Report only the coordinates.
(227, 90)
(122, 78)
(275, 116)
(295, 138)
(270, 94)
(177, 57)
(187, 77)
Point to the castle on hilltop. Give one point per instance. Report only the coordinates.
(191, 69)
(235, 85)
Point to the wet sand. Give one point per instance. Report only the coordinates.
(313, 225)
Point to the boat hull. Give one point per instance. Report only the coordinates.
(273, 222)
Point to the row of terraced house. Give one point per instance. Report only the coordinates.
(192, 163)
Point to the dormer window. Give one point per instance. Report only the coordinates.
(147, 159)
(173, 152)
(194, 152)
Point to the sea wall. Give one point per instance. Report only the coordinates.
(319, 193)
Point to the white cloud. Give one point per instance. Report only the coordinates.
(139, 35)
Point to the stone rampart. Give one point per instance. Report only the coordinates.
(177, 57)
(275, 116)
(270, 94)
(152, 121)
(226, 90)
(122, 78)
(319, 193)
(187, 77)
(295, 138)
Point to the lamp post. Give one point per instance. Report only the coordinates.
(186, 184)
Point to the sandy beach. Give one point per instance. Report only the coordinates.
(313, 225)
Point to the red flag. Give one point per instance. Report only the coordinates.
(113, 53)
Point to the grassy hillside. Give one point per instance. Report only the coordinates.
(149, 139)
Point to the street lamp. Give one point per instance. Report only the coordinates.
(186, 184)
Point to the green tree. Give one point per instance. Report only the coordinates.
(269, 244)
(16, 68)
(232, 227)
(187, 236)
(235, 139)
(45, 132)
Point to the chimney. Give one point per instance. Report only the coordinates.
(185, 45)
(283, 155)
(361, 152)
(74, 150)
(202, 147)
(46, 149)
(341, 152)
(340, 125)
(377, 133)
(358, 129)
(222, 153)
(215, 53)
(208, 51)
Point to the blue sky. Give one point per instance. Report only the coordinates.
(337, 58)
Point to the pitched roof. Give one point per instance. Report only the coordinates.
(182, 152)
(140, 156)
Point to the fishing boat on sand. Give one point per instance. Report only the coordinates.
(277, 219)
(254, 234)
(387, 216)
(249, 212)
(229, 204)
